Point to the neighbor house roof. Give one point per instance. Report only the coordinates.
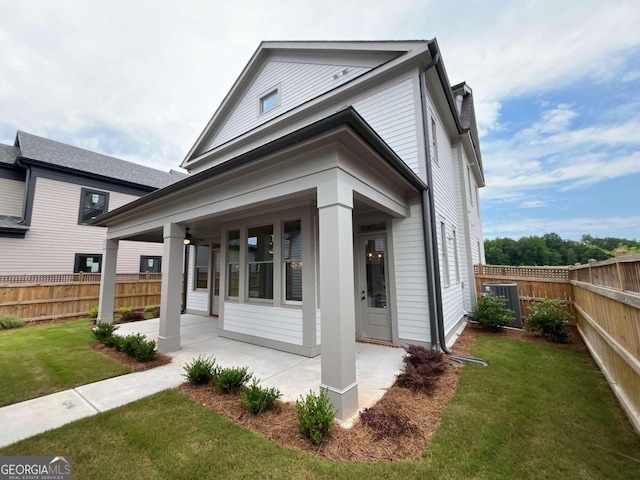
(32, 148)
(8, 154)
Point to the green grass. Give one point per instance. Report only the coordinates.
(535, 412)
(41, 360)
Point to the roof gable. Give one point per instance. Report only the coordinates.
(303, 71)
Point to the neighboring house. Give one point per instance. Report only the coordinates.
(334, 197)
(49, 194)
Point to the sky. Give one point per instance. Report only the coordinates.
(555, 87)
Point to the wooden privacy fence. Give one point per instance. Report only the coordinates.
(607, 302)
(604, 298)
(534, 283)
(48, 297)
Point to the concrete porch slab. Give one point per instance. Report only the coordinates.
(294, 375)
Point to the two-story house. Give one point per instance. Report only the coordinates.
(334, 197)
(49, 194)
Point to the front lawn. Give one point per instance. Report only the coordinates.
(37, 361)
(536, 412)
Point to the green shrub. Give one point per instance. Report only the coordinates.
(124, 310)
(258, 399)
(103, 332)
(315, 417)
(136, 346)
(422, 367)
(201, 370)
(8, 322)
(492, 313)
(149, 308)
(93, 312)
(152, 311)
(231, 380)
(549, 318)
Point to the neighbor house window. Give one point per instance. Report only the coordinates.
(445, 254)
(88, 263)
(92, 204)
(269, 101)
(434, 141)
(150, 263)
(455, 256)
(260, 262)
(201, 277)
(292, 259)
(233, 263)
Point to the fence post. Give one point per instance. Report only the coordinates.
(621, 272)
(480, 269)
(148, 275)
(81, 276)
(592, 261)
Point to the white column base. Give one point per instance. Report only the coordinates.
(344, 401)
(169, 344)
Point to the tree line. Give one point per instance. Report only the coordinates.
(551, 249)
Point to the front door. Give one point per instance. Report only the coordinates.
(376, 320)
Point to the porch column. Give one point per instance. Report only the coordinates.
(108, 281)
(337, 304)
(171, 292)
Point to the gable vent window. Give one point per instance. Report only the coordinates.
(92, 204)
(269, 101)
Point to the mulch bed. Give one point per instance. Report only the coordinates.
(136, 366)
(359, 443)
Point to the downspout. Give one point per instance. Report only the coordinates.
(185, 277)
(25, 198)
(431, 237)
(428, 221)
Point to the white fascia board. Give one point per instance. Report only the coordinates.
(419, 48)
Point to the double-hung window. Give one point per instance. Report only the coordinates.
(292, 259)
(260, 262)
(201, 278)
(92, 204)
(88, 263)
(233, 263)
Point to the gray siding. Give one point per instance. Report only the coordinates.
(391, 113)
(411, 280)
(55, 236)
(446, 187)
(274, 323)
(11, 195)
(298, 82)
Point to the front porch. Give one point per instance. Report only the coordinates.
(293, 375)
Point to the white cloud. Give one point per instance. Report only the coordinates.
(533, 204)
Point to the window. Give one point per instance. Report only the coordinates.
(434, 141)
(445, 254)
(269, 101)
(233, 263)
(88, 263)
(150, 263)
(455, 256)
(92, 204)
(260, 262)
(292, 259)
(201, 277)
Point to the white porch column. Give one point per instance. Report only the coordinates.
(108, 281)
(337, 304)
(171, 292)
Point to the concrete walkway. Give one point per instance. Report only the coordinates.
(293, 375)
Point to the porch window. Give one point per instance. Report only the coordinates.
(292, 259)
(202, 267)
(260, 262)
(233, 263)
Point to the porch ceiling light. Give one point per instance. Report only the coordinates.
(187, 238)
